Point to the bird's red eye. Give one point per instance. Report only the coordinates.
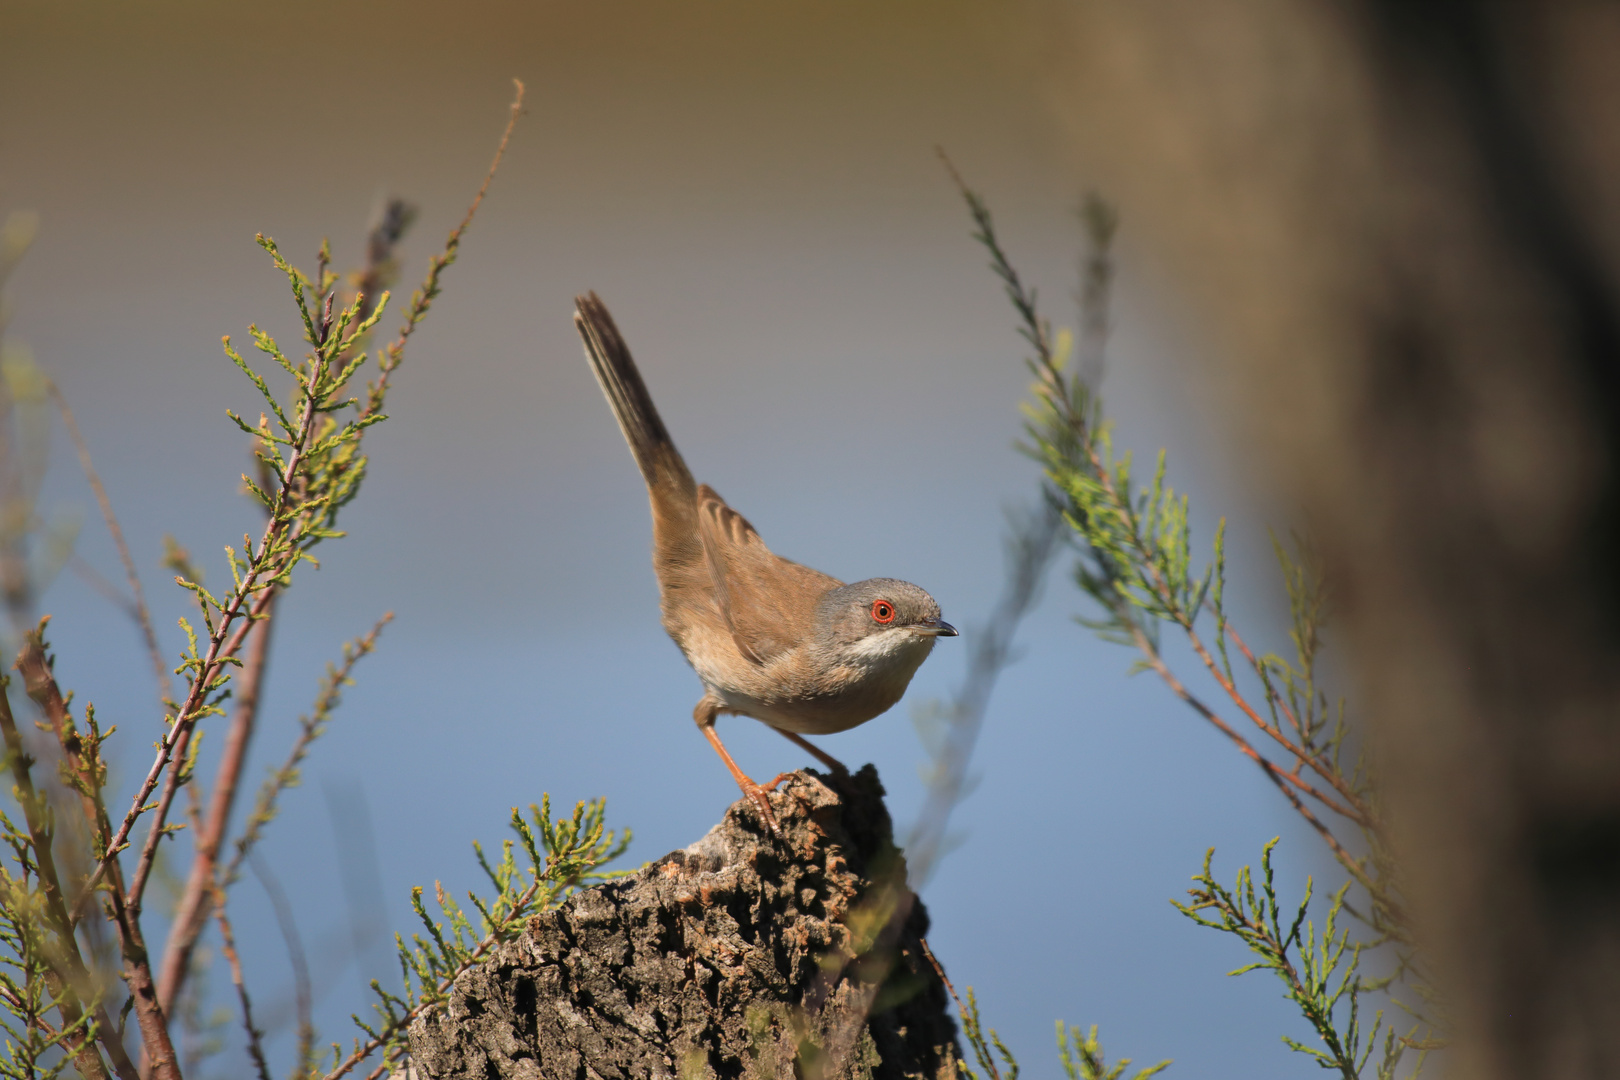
(882, 611)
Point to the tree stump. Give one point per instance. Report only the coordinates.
(745, 955)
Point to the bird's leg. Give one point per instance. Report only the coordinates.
(705, 714)
(820, 755)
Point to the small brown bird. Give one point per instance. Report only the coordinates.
(798, 650)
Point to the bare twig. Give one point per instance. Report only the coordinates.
(1031, 543)
(191, 917)
(310, 729)
(107, 590)
(303, 998)
(969, 1014)
(143, 617)
(422, 299)
(228, 946)
(940, 971)
(1285, 782)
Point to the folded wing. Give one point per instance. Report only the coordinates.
(768, 602)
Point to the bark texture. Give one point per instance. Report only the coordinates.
(742, 955)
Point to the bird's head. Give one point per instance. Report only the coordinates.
(879, 620)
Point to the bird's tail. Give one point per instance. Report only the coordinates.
(644, 430)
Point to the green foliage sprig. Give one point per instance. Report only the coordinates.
(981, 1040)
(1320, 971)
(1083, 1058)
(310, 466)
(316, 466)
(560, 856)
(38, 974)
(39, 924)
(1136, 563)
(35, 1049)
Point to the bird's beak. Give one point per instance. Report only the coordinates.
(935, 628)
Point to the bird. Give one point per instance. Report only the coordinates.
(796, 649)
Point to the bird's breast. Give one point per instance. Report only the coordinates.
(818, 693)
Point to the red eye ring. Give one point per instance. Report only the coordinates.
(882, 612)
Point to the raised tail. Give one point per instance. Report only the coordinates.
(644, 430)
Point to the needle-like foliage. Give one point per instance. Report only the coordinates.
(558, 856)
(63, 863)
(47, 1023)
(1132, 532)
(1083, 1058)
(1320, 971)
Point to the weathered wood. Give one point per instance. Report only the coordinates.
(742, 955)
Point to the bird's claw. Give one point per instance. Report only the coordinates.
(758, 793)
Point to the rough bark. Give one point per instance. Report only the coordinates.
(742, 955)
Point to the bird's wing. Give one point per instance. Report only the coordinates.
(768, 602)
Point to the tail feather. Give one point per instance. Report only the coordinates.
(638, 417)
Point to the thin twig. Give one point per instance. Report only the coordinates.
(191, 916)
(422, 299)
(143, 617)
(1356, 811)
(980, 1049)
(371, 1046)
(221, 647)
(1259, 669)
(1274, 774)
(39, 682)
(276, 553)
(310, 729)
(940, 971)
(1054, 388)
(303, 998)
(1031, 545)
(63, 985)
(228, 946)
(108, 591)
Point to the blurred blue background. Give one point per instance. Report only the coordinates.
(755, 193)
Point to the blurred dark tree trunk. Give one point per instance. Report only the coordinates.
(1403, 219)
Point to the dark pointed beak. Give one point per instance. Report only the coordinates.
(935, 628)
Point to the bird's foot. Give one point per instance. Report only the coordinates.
(759, 795)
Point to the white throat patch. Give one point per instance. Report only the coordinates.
(886, 646)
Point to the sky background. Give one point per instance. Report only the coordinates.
(755, 193)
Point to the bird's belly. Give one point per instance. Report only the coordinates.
(819, 713)
(794, 694)
(818, 716)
